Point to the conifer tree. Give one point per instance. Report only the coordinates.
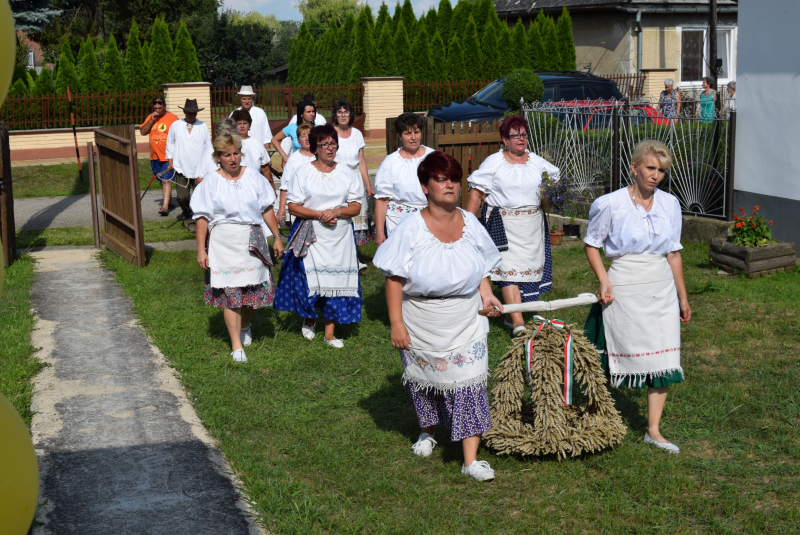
(113, 71)
(100, 52)
(495, 18)
(146, 54)
(566, 42)
(18, 88)
(398, 14)
(315, 68)
(481, 12)
(363, 49)
(536, 53)
(506, 54)
(345, 47)
(548, 31)
(383, 16)
(162, 59)
(187, 66)
(67, 75)
(489, 53)
(305, 54)
(519, 46)
(444, 17)
(370, 16)
(402, 50)
(137, 77)
(473, 57)
(431, 22)
(409, 19)
(44, 83)
(29, 81)
(438, 58)
(327, 56)
(79, 61)
(385, 64)
(90, 76)
(66, 49)
(421, 54)
(455, 60)
(459, 20)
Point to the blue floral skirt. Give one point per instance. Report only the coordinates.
(464, 411)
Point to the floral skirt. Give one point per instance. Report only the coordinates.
(464, 411)
(365, 236)
(255, 296)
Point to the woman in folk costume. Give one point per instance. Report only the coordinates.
(643, 295)
(397, 190)
(320, 267)
(509, 181)
(296, 160)
(437, 262)
(233, 205)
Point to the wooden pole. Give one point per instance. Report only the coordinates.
(75, 134)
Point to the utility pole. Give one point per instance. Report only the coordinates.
(712, 41)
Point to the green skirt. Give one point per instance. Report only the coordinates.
(594, 331)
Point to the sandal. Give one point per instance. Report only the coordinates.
(163, 212)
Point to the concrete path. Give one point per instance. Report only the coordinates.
(121, 449)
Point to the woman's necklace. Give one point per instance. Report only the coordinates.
(633, 196)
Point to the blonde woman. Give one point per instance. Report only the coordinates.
(643, 294)
(233, 206)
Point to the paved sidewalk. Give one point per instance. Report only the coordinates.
(121, 449)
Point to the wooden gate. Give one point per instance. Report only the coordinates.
(7, 229)
(117, 182)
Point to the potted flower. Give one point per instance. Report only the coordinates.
(555, 235)
(751, 248)
(553, 199)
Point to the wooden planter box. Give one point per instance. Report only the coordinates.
(754, 261)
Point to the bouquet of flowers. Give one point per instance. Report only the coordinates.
(751, 230)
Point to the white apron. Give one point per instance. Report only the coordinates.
(229, 259)
(524, 259)
(331, 264)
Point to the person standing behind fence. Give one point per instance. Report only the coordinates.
(708, 110)
(510, 181)
(397, 189)
(157, 126)
(730, 103)
(186, 143)
(254, 153)
(670, 101)
(306, 111)
(259, 128)
(296, 160)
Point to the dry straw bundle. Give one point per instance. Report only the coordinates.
(543, 425)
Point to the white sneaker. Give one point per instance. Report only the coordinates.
(478, 470)
(247, 337)
(519, 331)
(424, 445)
(238, 356)
(336, 342)
(308, 331)
(669, 446)
(362, 267)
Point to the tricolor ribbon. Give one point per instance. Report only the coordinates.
(568, 363)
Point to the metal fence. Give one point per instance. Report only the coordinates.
(420, 96)
(592, 145)
(26, 112)
(630, 85)
(280, 102)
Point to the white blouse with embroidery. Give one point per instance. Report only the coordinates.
(349, 147)
(296, 161)
(509, 185)
(397, 179)
(240, 201)
(432, 268)
(621, 228)
(316, 190)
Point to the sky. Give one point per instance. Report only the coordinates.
(285, 10)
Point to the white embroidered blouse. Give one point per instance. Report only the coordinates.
(397, 179)
(432, 268)
(348, 149)
(509, 185)
(242, 201)
(322, 191)
(296, 161)
(254, 154)
(621, 228)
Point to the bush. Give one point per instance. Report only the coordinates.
(522, 83)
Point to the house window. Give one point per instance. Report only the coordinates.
(695, 62)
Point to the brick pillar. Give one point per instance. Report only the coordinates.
(176, 94)
(654, 81)
(383, 97)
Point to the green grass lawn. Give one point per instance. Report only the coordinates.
(17, 366)
(322, 438)
(154, 231)
(62, 179)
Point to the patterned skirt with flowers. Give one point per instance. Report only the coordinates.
(255, 296)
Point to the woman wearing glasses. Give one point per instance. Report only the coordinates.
(509, 182)
(351, 154)
(320, 267)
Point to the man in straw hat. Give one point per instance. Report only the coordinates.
(186, 143)
(259, 127)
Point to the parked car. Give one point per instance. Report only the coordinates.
(488, 104)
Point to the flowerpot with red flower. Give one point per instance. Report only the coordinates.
(751, 248)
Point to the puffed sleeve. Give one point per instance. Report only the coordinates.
(394, 255)
(289, 171)
(553, 172)
(356, 191)
(483, 178)
(384, 189)
(676, 221)
(266, 135)
(296, 192)
(599, 222)
(171, 135)
(484, 244)
(202, 203)
(361, 143)
(266, 196)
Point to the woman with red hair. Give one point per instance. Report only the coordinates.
(509, 181)
(437, 261)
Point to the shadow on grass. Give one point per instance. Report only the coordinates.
(629, 408)
(375, 306)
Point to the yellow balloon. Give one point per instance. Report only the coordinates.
(8, 42)
(19, 472)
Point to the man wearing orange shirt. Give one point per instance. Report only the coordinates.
(157, 125)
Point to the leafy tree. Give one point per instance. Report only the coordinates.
(409, 19)
(548, 30)
(346, 37)
(162, 55)
(90, 77)
(421, 55)
(473, 57)
(519, 46)
(32, 15)
(438, 58)
(536, 53)
(67, 75)
(489, 53)
(506, 53)
(19, 88)
(254, 18)
(458, 22)
(44, 83)
(402, 49)
(522, 83)
(113, 71)
(443, 20)
(431, 22)
(566, 42)
(385, 64)
(363, 49)
(383, 16)
(318, 13)
(187, 66)
(455, 60)
(137, 76)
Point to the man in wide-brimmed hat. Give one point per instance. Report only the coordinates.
(186, 143)
(259, 128)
